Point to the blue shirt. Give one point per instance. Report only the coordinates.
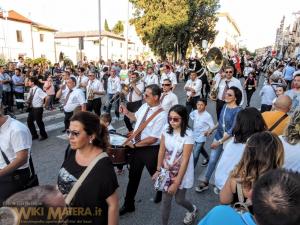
(225, 215)
(288, 72)
(227, 121)
(18, 79)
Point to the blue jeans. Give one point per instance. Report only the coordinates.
(199, 148)
(213, 159)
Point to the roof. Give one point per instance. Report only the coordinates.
(77, 34)
(13, 15)
(231, 20)
(43, 27)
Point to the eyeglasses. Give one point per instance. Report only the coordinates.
(229, 95)
(174, 119)
(166, 84)
(228, 71)
(73, 133)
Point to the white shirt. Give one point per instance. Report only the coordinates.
(76, 98)
(155, 127)
(113, 85)
(135, 97)
(15, 137)
(202, 122)
(168, 101)
(232, 82)
(5, 77)
(151, 79)
(268, 94)
(81, 80)
(231, 156)
(196, 85)
(291, 155)
(174, 142)
(38, 96)
(171, 76)
(94, 85)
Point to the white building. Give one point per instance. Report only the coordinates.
(23, 37)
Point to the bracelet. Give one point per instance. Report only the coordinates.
(220, 141)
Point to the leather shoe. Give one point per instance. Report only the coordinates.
(126, 209)
(43, 138)
(158, 197)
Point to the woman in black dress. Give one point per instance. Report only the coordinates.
(250, 86)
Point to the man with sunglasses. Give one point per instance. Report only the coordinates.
(224, 84)
(168, 74)
(113, 88)
(82, 80)
(193, 88)
(145, 144)
(168, 98)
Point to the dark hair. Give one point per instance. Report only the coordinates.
(248, 122)
(18, 70)
(81, 69)
(67, 72)
(276, 198)
(283, 86)
(91, 125)
(203, 100)
(73, 79)
(156, 91)
(167, 79)
(34, 80)
(297, 75)
(237, 93)
(182, 112)
(106, 117)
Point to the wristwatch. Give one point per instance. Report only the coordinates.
(220, 141)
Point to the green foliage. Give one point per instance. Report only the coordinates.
(2, 61)
(118, 28)
(106, 27)
(39, 61)
(171, 25)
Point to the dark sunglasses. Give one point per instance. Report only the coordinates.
(228, 71)
(174, 119)
(73, 133)
(166, 84)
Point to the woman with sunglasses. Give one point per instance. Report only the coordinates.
(263, 152)
(88, 139)
(225, 126)
(175, 155)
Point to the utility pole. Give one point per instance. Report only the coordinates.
(126, 35)
(99, 14)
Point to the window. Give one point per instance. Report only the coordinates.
(42, 37)
(19, 36)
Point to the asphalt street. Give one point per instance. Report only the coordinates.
(48, 156)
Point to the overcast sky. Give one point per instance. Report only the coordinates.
(257, 19)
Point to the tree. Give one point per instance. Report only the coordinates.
(118, 28)
(170, 26)
(106, 27)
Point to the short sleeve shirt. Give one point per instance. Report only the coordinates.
(201, 122)
(76, 98)
(38, 96)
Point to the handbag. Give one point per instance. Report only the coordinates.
(18, 175)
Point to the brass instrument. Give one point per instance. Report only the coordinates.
(126, 88)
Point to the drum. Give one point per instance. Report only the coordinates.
(117, 153)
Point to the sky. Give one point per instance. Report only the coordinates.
(257, 19)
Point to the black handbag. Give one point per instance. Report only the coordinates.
(22, 178)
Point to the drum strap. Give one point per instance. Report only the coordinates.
(142, 126)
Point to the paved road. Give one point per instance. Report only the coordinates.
(48, 157)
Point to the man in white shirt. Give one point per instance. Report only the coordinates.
(15, 144)
(168, 74)
(94, 92)
(193, 88)
(168, 98)
(151, 77)
(35, 108)
(113, 90)
(146, 143)
(82, 80)
(224, 85)
(134, 97)
(74, 100)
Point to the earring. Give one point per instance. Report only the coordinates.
(91, 141)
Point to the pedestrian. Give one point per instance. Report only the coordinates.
(294, 93)
(6, 81)
(175, 155)
(250, 86)
(268, 93)
(18, 86)
(89, 140)
(50, 91)
(113, 92)
(288, 73)
(193, 89)
(168, 98)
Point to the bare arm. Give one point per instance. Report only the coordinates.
(226, 195)
(21, 159)
(113, 209)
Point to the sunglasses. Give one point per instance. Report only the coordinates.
(73, 133)
(228, 71)
(174, 119)
(166, 84)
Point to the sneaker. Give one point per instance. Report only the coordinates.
(205, 162)
(203, 186)
(190, 216)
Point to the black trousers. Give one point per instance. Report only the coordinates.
(20, 105)
(249, 95)
(7, 101)
(192, 103)
(68, 116)
(143, 156)
(36, 114)
(219, 106)
(94, 105)
(132, 107)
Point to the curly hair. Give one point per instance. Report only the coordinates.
(292, 131)
(263, 152)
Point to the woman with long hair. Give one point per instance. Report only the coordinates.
(224, 128)
(175, 155)
(88, 139)
(263, 152)
(250, 86)
(248, 121)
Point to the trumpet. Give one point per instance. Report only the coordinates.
(126, 88)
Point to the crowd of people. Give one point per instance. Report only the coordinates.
(254, 153)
